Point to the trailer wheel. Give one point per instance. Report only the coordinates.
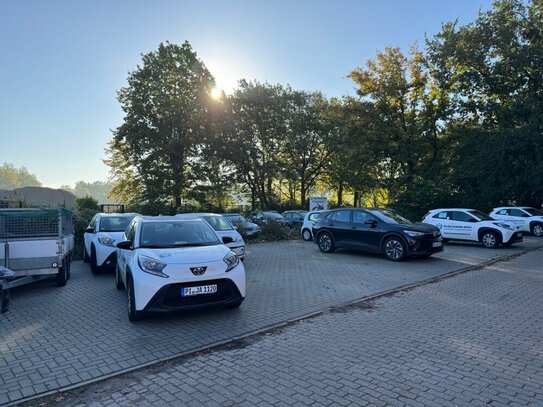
(62, 276)
(5, 301)
(69, 266)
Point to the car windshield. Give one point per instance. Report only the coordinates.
(115, 223)
(167, 234)
(480, 215)
(218, 223)
(533, 211)
(391, 217)
(235, 218)
(273, 215)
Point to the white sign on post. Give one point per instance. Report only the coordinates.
(318, 203)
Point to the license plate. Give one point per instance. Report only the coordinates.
(437, 244)
(203, 289)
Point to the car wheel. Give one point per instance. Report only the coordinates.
(118, 282)
(326, 242)
(85, 255)
(306, 234)
(490, 240)
(94, 267)
(62, 276)
(395, 249)
(537, 229)
(133, 314)
(69, 266)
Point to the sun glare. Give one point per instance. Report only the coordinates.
(216, 93)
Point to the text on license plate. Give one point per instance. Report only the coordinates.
(202, 289)
(437, 244)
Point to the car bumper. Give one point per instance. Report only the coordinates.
(515, 238)
(149, 289)
(422, 247)
(169, 298)
(106, 257)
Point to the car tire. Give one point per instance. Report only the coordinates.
(118, 282)
(93, 266)
(62, 276)
(537, 229)
(69, 266)
(395, 249)
(326, 242)
(133, 314)
(490, 239)
(306, 235)
(86, 258)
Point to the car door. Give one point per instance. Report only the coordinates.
(366, 230)
(339, 223)
(463, 226)
(518, 217)
(442, 221)
(87, 237)
(503, 215)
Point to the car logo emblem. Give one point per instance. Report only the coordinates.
(198, 271)
(436, 233)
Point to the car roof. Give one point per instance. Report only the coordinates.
(161, 218)
(452, 209)
(111, 214)
(512, 207)
(197, 214)
(231, 214)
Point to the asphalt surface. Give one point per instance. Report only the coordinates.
(56, 338)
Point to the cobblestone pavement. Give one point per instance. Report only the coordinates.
(472, 340)
(53, 338)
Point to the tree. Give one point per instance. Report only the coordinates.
(254, 136)
(12, 177)
(166, 104)
(493, 70)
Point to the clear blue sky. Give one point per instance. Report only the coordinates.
(62, 62)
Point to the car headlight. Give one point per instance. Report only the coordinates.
(152, 266)
(107, 241)
(413, 233)
(504, 225)
(231, 259)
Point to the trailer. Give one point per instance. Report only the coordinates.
(35, 244)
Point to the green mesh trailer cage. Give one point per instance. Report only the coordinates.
(29, 223)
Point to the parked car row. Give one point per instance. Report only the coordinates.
(384, 231)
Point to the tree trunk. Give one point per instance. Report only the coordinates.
(356, 198)
(340, 194)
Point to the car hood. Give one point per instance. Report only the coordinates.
(420, 227)
(117, 236)
(187, 255)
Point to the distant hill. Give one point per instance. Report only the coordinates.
(37, 196)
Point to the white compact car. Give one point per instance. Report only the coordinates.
(307, 226)
(223, 229)
(526, 218)
(101, 237)
(472, 225)
(167, 263)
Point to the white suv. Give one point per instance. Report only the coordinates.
(526, 218)
(167, 263)
(101, 237)
(472, 225)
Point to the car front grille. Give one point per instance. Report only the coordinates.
(170, 296)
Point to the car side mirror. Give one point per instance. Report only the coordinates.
(372, 223)
(235, 227)
(125, 245)
(89, 230)
(227, 239)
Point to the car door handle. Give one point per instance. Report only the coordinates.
(354, 227)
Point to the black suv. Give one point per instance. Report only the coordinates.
(375, 230)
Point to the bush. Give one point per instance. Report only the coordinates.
(271, 232)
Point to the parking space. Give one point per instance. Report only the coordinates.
(54, 337)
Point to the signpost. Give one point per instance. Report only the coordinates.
(318, 203)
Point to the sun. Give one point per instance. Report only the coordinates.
(216, 93)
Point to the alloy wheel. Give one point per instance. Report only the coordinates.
(394, 249)
(325, 242)
(537, 230)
